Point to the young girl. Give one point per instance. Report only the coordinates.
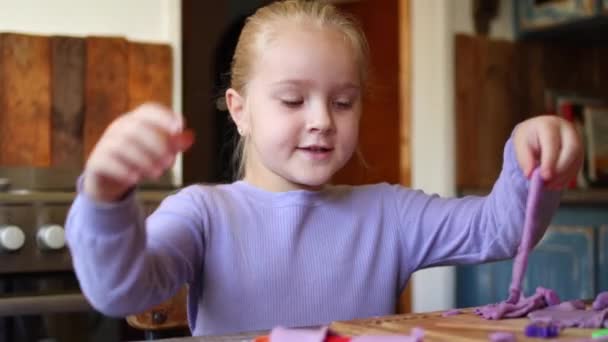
(282, 246)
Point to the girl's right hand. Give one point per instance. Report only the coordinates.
(140, 144)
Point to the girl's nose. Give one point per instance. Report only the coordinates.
(320, 119)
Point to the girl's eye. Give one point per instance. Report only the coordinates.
(292, 103)
(343, 104)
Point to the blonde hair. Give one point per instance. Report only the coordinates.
(259, 29)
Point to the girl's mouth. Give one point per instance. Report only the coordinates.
(316, 152)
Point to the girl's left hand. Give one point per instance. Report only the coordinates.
(554, 144)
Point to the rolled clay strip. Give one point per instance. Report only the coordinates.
(530, 225)
(601, 301)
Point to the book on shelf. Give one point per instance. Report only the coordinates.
(596, 138)
(589, 115)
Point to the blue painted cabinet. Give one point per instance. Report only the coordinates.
(572, 259)
(603, 259)
(564, 261)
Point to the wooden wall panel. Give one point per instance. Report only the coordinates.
(106, 86)
(532, 79)
(25, 104)
(501, 83)
(67, 79)
(487, 107)
(563, 67)
(58, 94)
(150, 74)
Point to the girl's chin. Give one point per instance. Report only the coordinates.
(311, 183)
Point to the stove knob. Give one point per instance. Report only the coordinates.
(11, 238)
(51, 237)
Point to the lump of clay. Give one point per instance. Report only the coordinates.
(502, 336)
(570, 305)
(542, 330)
(571, 314)
(601, 301)
(539, 300)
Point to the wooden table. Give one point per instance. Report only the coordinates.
(458, 328)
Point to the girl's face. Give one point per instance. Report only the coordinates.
(302, 108)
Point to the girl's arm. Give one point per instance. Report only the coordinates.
(440, 231)
(126, 264)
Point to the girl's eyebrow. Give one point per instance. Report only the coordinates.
(302, 82)
(296, 82)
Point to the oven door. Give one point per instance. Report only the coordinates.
(51, 308)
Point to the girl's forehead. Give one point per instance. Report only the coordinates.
(295, 31)
(306, 46)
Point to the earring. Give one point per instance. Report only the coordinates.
(240, 130)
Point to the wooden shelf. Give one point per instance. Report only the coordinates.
(592, 197)
(580, 31)
(572, 21)
(586, 197)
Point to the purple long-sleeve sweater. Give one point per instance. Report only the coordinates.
(255, 259)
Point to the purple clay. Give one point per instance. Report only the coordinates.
(542, 330)
(502, 336)
(550, 296)
(417, 333)
(601, 301)
(530, 225)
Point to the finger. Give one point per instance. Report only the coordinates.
(168, 161)
(160, 117)
(550, 147)
(527, 154)
(570, 151)
(568, 175)
(151, 141)
(571, 157)
(114, 169)
(137, 159)
(182, 141)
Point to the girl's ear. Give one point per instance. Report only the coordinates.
(236, 106)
